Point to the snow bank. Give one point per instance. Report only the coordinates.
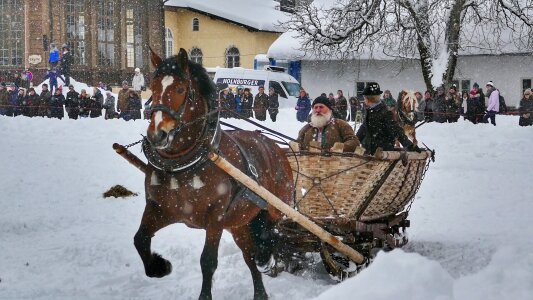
(60, 239)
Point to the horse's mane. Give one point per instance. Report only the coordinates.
(170, 66)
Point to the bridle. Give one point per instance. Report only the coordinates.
(208, 140)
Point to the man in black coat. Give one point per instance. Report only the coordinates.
(379, 130)
(66, 62)
(72, 103)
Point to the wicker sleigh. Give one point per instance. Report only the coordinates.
(356, 187)
(364, 200)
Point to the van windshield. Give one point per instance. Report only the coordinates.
(292, 88)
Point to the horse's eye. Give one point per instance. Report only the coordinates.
(180, 90)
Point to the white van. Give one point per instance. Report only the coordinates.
(287, 88)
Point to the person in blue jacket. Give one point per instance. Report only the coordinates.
(303, 106)
(54, 55)
(53, 75)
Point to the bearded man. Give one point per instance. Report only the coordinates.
(326, 130)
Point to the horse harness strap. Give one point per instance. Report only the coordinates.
(251, 172)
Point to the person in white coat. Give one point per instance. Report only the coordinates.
(138, 81)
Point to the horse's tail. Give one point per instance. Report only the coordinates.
(265, 239)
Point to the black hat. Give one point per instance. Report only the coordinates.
(372, 89)
(323, 100)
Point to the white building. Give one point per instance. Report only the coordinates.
(511, 73)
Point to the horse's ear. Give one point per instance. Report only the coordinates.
(183, 60)
(156, 60)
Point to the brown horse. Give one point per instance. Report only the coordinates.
(182, 185)
(407, 114)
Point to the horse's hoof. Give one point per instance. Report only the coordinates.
(269, 268)
(159, 267)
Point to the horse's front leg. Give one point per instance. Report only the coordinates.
(209, 258)
(243, 239)
(152, 221)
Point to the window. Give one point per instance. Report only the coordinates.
(277, 88)
(106, 33)
(232, 58)
(11, 32)
(526, 84)
(292, 88)
(134, 49)
(169, 43)
(75, 14)
(462, 85)
(130, 39)
(196, 55)
(195, 24)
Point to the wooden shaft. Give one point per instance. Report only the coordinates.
(393, 155)
(286, 209)
(130, 157)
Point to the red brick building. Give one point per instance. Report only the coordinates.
(108, 38)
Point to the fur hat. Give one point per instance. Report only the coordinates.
(490, 83)
(323, 100)
(372, 89)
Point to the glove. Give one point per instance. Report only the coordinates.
(414, 147)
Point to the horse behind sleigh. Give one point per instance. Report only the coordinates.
(241, 181)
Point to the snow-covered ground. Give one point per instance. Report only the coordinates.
(60, 239)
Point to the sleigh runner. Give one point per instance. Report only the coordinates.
(363, 200)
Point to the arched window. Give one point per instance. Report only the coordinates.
(233, 58)
(195, 24)
(196, 55)
(169, 43)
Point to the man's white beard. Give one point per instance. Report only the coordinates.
(320, 121)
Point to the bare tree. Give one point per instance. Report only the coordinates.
(431, 31)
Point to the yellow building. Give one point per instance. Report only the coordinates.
(223, 33)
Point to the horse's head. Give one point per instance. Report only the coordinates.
(179, 89)
(409, 104)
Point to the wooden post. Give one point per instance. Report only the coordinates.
(130, 157)
(286, 209)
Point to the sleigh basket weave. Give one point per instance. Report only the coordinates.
(354, 186)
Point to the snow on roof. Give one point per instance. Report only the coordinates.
(262, 15)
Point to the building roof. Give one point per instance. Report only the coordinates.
(260, 15)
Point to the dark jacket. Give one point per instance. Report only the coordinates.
(96, 104)
(439, 108)
(72, 104)
(44, 101)
(247, 102)
(66, 62)
(109, 106)
(303, 107)
(56, 106)
(380, 130)
(341, 106)
(85, 105)
(526, 112)
(31, 108)
(273, 103)
(134, 107)
(260, 106)
(335, 131)
(4, 101)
